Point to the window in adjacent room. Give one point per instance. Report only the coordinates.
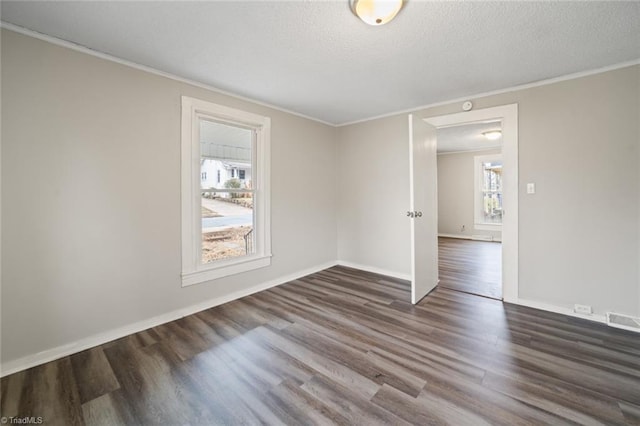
(225, 225)
(488, 184)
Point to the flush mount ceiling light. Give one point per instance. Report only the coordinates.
(376, 12)
(493, 135)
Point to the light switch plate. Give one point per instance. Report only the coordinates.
(531, 188)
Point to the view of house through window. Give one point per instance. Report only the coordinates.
(225, 162)
(227, 190)
(491, 191)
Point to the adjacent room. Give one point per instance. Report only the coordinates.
(470, 208)
(347, 212)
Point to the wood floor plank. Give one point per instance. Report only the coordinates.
(580, 407)
(13, 387)
(302, 408)
(470, 266)
(271, 358)
(593, 378)
(494, 407)
(344, 346)
(50, 393)
(231, 394)
(183, 340)
(425, 410)
(93, 374)
(631, 413)
(358, 409)
(378, 372)
(157, 391)
(424, 364)
(108, 410)
(338, 372)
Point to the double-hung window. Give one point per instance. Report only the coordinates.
(226, 223)
(488, 196)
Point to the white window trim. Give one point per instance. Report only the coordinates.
(479, 224)
(193, 271)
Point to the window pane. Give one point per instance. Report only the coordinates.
(225, 156)
(227, 228)
(227, 217)
(492, 192)
(492, 207)
(492, 176)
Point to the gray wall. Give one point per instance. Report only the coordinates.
(91, 196)
(578, 141)
(373, 194)
(456, 194)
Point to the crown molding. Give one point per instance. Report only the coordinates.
(108, 57)
(546, 82)
(111, 58)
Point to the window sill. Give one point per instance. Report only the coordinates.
(212, 273)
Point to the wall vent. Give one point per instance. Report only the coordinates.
(625, 322)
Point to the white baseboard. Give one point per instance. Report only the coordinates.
(459, 236)
(375, 270)
(52, 354)
(560, 310)
(468, 237)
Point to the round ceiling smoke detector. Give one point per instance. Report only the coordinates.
(467, 106)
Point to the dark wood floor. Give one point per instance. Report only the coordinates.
(346, 347)
(471, 266)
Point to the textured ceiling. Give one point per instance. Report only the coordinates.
(315, 58)
(467, 137)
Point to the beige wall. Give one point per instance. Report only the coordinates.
(91, 196)
(578, 141)
(373, 195)
(456, 194)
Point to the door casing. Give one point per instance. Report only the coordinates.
(508, 116)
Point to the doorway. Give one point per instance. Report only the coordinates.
(423, 180)
(470, 206)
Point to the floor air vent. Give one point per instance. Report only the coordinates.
(623, 321)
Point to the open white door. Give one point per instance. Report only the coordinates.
(423, 212)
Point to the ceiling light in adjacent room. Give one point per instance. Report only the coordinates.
(493, 135)
(376, 12)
